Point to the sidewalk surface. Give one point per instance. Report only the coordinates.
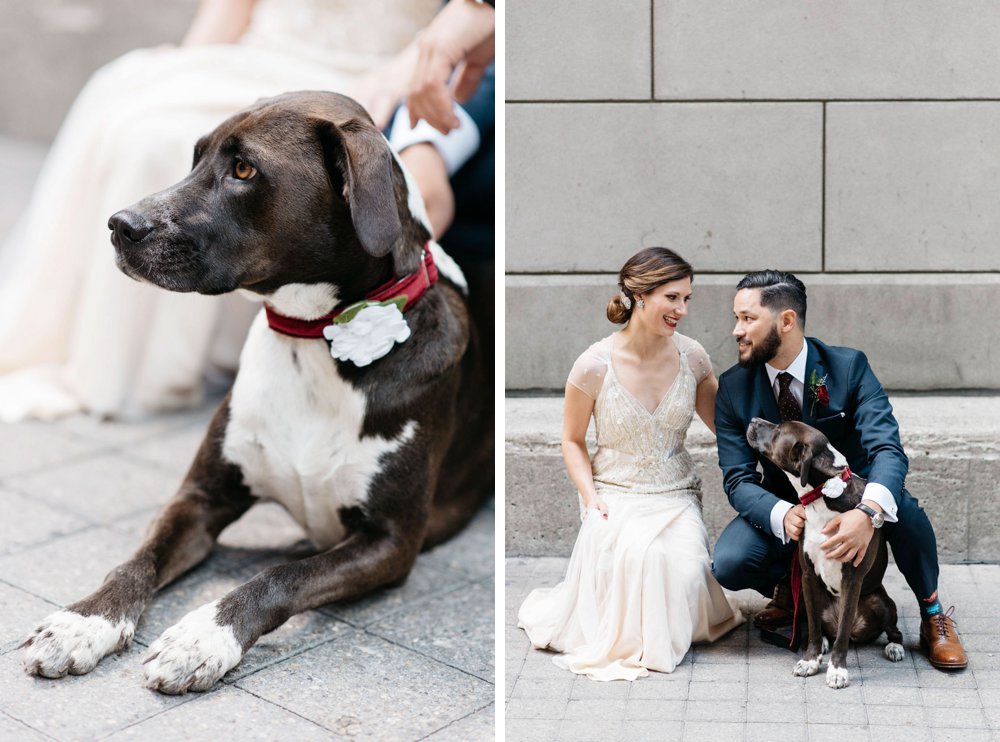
(409, 663)
(742, 689)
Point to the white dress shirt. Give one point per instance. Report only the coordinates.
(874, 491)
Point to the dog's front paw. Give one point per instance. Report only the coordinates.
(805, 668)
(894, 652)
(68, 642)
(837, 677)
(192, 654)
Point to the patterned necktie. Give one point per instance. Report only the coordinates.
(788, 407)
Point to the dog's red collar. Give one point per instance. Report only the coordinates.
(411, 286)
(814, 494)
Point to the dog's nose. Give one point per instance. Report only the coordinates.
(128, 228)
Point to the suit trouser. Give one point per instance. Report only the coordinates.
(749, 557)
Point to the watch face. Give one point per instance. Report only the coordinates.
(878, 520)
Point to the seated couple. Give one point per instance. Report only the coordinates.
(640, 588)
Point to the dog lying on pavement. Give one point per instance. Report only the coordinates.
(358, 405)
(842, 602)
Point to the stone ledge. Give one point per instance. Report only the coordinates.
(951, 441)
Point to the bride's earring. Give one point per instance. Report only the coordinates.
(640, 303)
(626, 302)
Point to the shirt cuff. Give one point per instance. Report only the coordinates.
(880, 494)
(455, 147)
(778, 519)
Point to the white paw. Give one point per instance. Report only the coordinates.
(805, 668)
(67, 642)
(837, 677)
(192, 654)
(894, 652)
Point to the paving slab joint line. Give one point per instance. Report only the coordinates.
(185, 702)
(438, 660)
(28, 726)
(278, 705)
(455, 721)
(466, 582)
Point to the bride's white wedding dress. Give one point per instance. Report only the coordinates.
(639, 587)
(75, 332)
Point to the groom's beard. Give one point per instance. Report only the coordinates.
(764, 351)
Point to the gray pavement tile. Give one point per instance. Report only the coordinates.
(988, 679)
(718, 711)
(516, 642)
(597, 709)
(983, 660)
(652, 731)
(128, 433)
(896, 716)
(21, 613)
(69, 568)
(423, 583)
(589, 730)
(550, 566)
(393, 693)
(681, 674)
(586, 689)
(531, 730)
(887, 675)
(762, 691)
(771, 731)
(172, 450)
(876, 693)
(560, 688)
(472, 551)
(456, 628)
(962, 735)
(638, 709)
(719, 672)
(100, 488)
(27, 521)
(710, 731)
(222, 714)
(14, 730)
(818, 712)
(82, 707)
(719, 654)
(476, 727)
(29, 447)
(981, 642)
(928, 677)
(881, 733)
(777, 710)
(966, 718)
(536, 708)
(818, 692)
(731, 691)
(837, 732)
(266, 525)
(543, 668)
(954, 698)
(766, 675)
(643, 690)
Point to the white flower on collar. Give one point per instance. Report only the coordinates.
(834, 487)
(367, 330)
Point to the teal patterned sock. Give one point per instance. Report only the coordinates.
(930, 606)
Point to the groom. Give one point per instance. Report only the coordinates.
(782, 375)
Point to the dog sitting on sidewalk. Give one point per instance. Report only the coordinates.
(842, 602)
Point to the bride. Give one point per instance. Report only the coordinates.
(639, 587)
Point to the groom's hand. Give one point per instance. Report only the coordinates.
(794, 522)
(850, 533)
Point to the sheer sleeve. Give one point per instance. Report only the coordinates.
(697, 358)
(589, 371)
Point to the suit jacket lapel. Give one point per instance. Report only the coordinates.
(813, 364)
(765, 396)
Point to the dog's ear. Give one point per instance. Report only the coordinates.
(805, 464)
(359, 163)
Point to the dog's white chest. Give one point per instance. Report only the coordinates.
(818, 515)
(295, 432)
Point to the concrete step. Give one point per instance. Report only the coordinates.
(952, 442)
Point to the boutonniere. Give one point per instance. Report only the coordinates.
(367, 330)
(818, 392)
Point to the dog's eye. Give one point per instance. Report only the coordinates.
(243, 170)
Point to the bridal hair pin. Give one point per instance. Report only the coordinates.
(626, 302)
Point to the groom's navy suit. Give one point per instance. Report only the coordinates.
(748, 554)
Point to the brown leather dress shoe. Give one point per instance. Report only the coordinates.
(780, 611)
(940, 640)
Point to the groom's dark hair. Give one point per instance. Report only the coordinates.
(778, 291)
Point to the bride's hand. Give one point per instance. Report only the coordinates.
(599, 506)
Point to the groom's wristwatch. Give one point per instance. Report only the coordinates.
(877, 518)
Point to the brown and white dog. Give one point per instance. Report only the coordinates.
(300, 201)
(842, 602)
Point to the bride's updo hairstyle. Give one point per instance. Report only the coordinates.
(642, 273)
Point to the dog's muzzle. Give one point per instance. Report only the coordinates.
(128, 229)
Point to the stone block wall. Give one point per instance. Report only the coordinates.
(856, 144)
